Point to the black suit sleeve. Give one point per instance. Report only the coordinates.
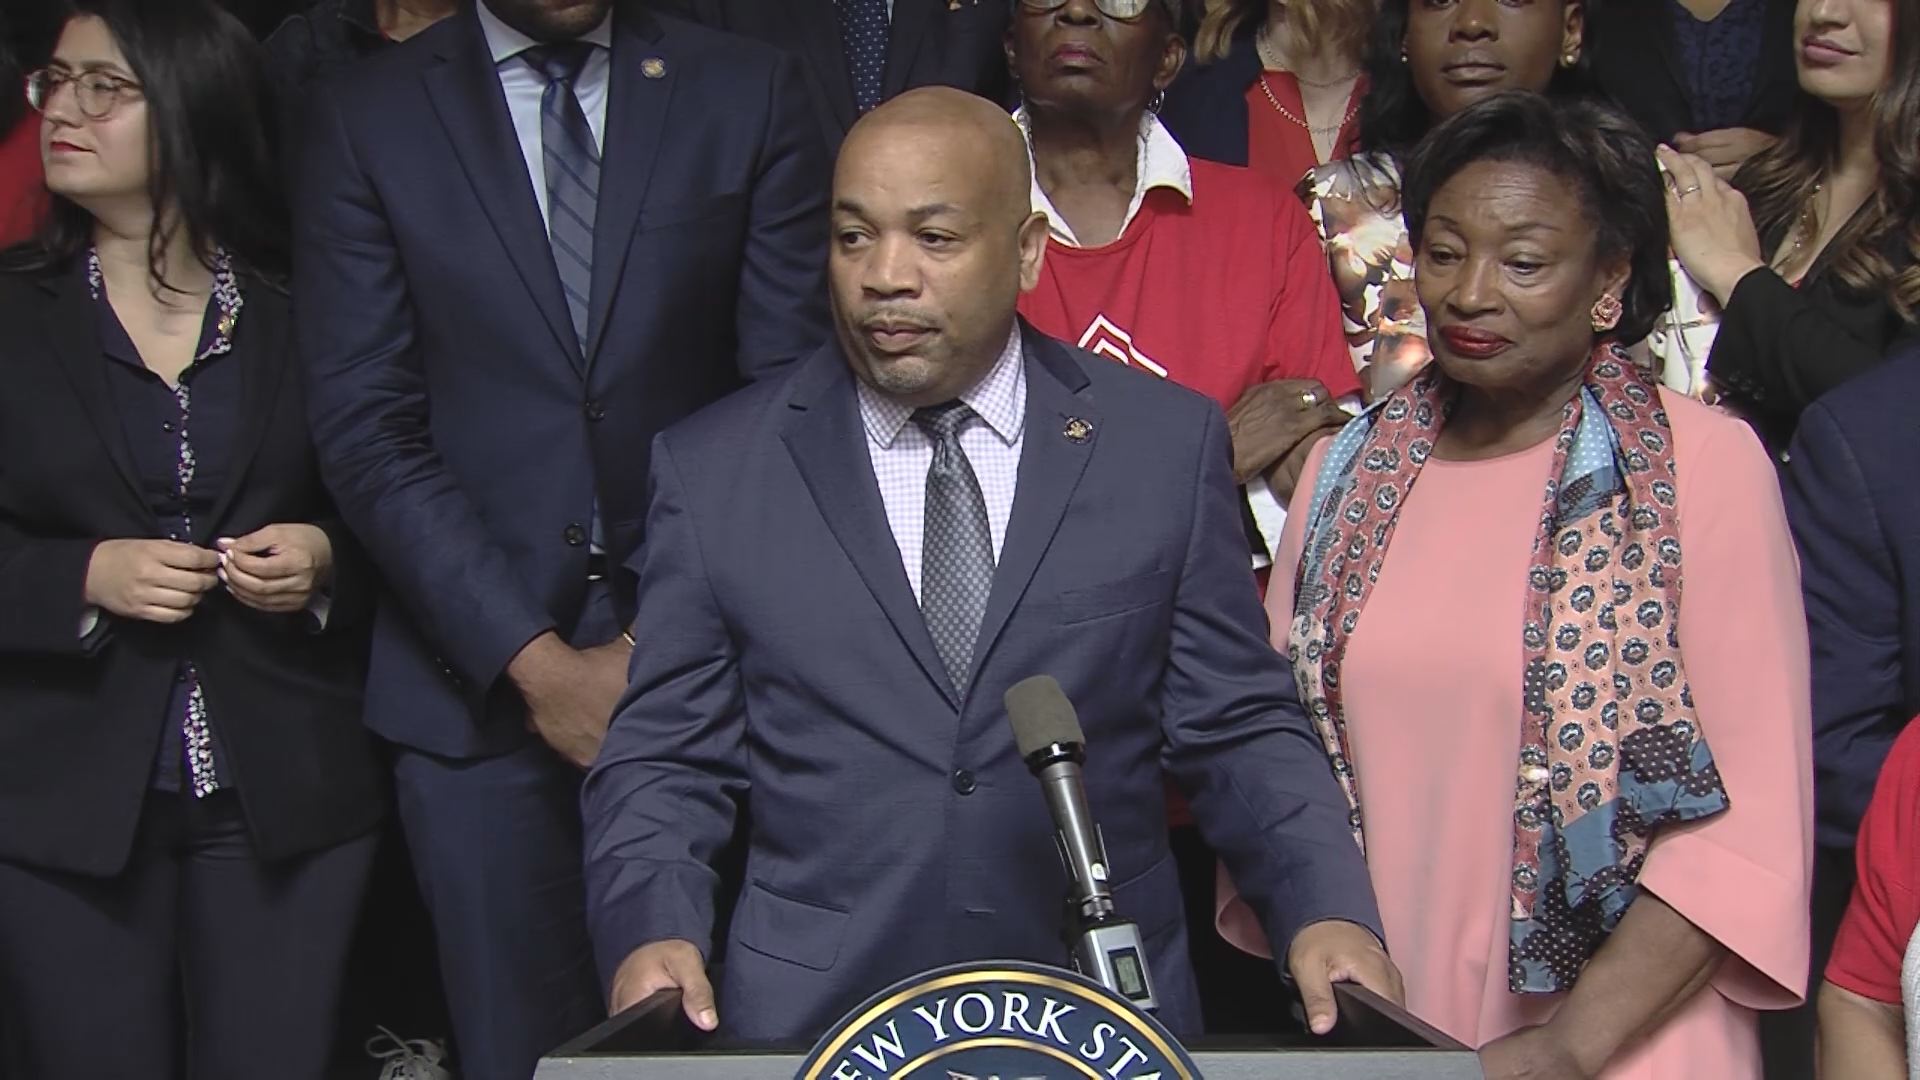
(43, 593)
(354, 583)
(1852, 594)
(1784, 347)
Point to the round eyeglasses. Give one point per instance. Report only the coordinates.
(95, 92)
(1123, 10)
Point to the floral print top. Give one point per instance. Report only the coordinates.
(1355, 205)
(189, 735)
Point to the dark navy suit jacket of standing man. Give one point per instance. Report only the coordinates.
(485, 384)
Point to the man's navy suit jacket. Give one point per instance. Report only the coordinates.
(460, 427)
(785, 664)
(1854, 505)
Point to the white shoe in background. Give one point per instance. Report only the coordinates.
(418, 1059)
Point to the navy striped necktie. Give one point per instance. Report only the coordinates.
(572, 160)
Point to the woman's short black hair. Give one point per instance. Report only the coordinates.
(210, 107)
(1392, 116)
(1597, 149)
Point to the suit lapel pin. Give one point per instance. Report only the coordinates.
(1077, 430)
(653, 68)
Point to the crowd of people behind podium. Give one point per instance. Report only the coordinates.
(346, 571)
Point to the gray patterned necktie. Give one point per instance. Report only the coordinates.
(956, 560)
(572, 162)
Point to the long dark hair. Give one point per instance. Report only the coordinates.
(1393, 119)
(215, 154)
(1779, 182)
(1599, 150)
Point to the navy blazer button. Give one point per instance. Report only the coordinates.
(963, 782)
(575, 534)
(595, 411)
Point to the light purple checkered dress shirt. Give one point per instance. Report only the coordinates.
(902, 454)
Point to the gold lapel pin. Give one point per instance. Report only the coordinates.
(653, 68)
(1077, 430)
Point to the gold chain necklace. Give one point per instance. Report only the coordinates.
(1804, 231)
(1352, 108)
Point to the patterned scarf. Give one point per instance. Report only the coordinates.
(1611, 750)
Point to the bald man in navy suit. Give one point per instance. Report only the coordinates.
(847, 567)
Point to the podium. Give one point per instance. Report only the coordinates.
(1375, 1040)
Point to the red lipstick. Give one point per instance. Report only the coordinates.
(1474, 344)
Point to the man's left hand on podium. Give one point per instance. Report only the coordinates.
(1332, 951)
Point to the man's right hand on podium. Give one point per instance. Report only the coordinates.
(667, 965)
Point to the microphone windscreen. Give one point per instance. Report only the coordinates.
(1041, 715)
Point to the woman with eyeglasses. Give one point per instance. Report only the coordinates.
(1202, 273)
(187, 799)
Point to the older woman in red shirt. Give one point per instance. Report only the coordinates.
(1205, 274)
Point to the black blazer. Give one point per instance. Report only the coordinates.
(1780, 347)
(1637, 63)
(80, 725)
(933, 43)
(1206, 107)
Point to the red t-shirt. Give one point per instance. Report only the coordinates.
(1886, 900)
(23, 187)
(1219, 296)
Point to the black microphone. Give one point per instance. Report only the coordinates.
(1104, 947)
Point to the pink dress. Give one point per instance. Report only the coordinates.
(1433, 692)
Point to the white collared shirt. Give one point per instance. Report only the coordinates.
(902, 453)
(1162, 163)
(524, 87)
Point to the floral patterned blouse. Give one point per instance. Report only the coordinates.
(189, 753)
(1355, 204)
